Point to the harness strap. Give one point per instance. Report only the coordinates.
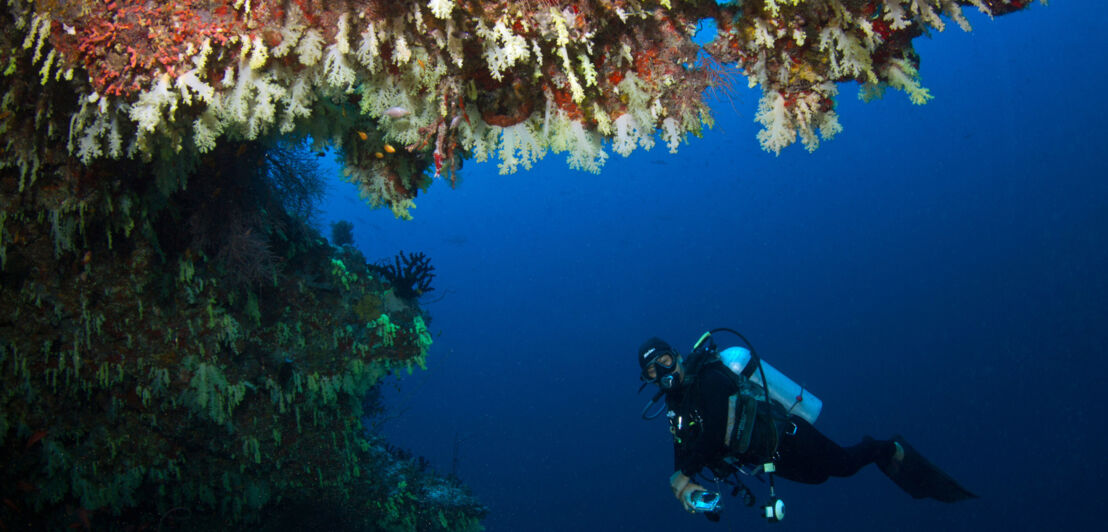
(746, 425)
(730, 419)
(750, 368)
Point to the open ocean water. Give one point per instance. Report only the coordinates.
(937, 271)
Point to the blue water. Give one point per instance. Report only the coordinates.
(935, 271)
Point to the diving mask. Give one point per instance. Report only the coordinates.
(661, 369)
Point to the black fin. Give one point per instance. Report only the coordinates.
(920, 478)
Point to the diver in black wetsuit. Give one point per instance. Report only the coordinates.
(726, 423)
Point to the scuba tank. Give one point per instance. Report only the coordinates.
(796, 400)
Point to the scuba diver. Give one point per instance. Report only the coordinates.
(731, 413)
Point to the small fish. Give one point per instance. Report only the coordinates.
(379, 155)
(389, 148)
(397, 112)
(362, 135)
(35, 438)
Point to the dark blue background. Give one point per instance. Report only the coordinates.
(937, 271)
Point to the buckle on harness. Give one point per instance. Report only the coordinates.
(793, 431)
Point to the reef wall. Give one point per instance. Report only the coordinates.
(205, 351)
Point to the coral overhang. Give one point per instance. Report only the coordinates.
(512, 78)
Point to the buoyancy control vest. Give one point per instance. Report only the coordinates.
(756, 412)
(765, 400)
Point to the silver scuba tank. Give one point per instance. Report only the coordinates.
(796, 399)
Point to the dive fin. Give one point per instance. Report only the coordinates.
(920, 478)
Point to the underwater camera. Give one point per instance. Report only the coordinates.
(704, 501)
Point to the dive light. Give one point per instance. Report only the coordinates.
(775, 510)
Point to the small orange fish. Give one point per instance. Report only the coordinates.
(389, 148)
(362, 135)
(379, 155)
(35, 438)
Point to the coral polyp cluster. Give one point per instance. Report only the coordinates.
(407, 90)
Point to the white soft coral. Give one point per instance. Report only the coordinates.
(636, 126)
(672, 134)
(519, 146)
(503, 49)
(849, 57)
(252, 104)
(902, 74)
(629, 134)
(805, 113)
(189, 83)
(310, 48)
(441, 8)
(336, 70)
(147, 111)
(568, 135)
(773, 114)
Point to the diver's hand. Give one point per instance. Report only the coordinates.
(683, 487)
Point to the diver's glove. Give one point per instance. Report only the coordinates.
(683, 487)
